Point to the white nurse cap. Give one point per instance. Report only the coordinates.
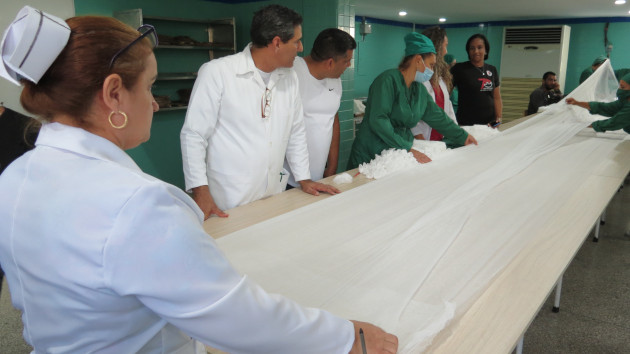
(31, 44)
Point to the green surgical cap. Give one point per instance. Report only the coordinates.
(599, 60)
(626, 78)
(416, 43)
(449, 58)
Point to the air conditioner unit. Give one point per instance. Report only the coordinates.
(529, 52)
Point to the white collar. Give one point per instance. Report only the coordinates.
(80, 141)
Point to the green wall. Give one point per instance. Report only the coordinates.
(383, 49)
(161, 155)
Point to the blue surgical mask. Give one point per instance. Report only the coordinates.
(425, 76)
(623, 94)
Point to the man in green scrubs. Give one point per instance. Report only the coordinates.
(397, 101)
(590, 70)
(618, 111)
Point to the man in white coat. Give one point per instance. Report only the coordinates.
(244, 116)
(320, 89)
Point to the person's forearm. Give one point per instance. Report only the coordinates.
(333, 153)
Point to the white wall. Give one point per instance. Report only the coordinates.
(10, 93)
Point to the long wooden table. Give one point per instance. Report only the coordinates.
(501, 314)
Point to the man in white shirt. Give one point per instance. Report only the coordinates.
(244, 116)
(320, 89)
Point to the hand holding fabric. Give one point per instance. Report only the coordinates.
(575, 102)
(470, 140)
(376, 340)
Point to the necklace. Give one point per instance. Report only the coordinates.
(481, 69)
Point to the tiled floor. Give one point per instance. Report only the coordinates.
(594, 312)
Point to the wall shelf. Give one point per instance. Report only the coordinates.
(178, 64)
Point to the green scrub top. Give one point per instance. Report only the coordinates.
(585, 74)
(392, 110)
(618, 111)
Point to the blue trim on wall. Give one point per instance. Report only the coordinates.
(358, 18)
(235, 1)
(555, 21)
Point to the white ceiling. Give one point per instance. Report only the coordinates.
(465, 11)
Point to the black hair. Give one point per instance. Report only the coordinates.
(332, 43)
(485, 43)
(547, 74)
(272, 21)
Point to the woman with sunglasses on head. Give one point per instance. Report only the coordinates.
(397, 101)
(114, 260)
(479, 95)
(439, 86)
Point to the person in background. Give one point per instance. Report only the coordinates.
(548, 93)
(478, 84)
(591, 69)
(439, 86)
(17, 136)
(117, 261)
(245, 116)
(450, 60)
(618, 111)
(320, 89)
(397, 101)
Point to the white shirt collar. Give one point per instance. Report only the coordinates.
(247, 66)
(80, 141)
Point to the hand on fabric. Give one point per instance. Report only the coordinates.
(203, 198)
(314, 188)
(420, 157)
(575, 102)
(470, 140)
(376, 340)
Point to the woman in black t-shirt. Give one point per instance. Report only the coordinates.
(479, 100)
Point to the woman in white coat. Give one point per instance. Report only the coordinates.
(101, 257)
(440, 85)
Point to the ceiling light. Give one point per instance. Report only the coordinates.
(402, 13)
(442, 19)
(620, 2)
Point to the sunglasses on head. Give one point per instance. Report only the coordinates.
(146, 31)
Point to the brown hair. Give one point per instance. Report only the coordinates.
(77, 75)
(437, 35)
(406, 61)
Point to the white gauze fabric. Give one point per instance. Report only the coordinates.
(343, 178)
(388, 162)
(481, 132)
(412, 251)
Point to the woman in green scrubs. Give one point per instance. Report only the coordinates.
(397, 101)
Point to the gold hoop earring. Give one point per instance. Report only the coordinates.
(118, 126)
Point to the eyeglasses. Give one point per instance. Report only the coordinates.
(265, 105)
(147, 31)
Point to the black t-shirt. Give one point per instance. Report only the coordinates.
(475, 104)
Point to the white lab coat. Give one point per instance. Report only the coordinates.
(227, 145)
(320, 102)
(101, 257)
(422, 127)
